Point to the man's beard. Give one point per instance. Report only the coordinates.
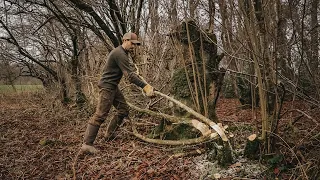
(132, 51)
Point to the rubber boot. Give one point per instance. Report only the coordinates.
(112, 127)
(89, 137)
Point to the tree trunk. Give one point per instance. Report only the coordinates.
(199, 80)
(314, 43)
(252, 148)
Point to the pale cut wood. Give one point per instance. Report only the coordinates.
(203, 128)
(252, 137)
(199, 116)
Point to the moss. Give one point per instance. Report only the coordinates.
(180, 87)
(221, 152)
(205, 52)
(157, 131)
(80, 99)
(180, 131)
(251, 150)
(203, 43)
(228, 90)
(168, 131)
(245, 95)
(66, 100)
(224, 155)
(180, 90)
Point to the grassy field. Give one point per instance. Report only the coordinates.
(20, 88)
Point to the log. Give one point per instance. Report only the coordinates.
(204, 119)
(199, 140)
(203, 128)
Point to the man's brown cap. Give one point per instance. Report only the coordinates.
(131, 37)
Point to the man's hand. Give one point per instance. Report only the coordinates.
(148, 89)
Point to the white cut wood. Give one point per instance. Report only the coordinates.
(201, 117)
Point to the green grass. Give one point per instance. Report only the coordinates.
(20, 88)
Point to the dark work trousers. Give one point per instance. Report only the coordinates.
(107, 98)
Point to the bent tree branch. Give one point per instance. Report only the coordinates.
(88, 9)
(207, 134)
(11, 39)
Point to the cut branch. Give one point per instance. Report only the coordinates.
(199, 140)
(203, 128)
(172, 119)
(204, 119)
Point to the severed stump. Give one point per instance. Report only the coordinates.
(221, 151)
(251, 150)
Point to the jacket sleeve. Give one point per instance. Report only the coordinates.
(127, 69)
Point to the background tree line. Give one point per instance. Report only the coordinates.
(270, 48)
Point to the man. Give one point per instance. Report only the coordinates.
(117, 65)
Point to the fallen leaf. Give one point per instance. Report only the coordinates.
(150, 171)
(176, 177)
(237, 164)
